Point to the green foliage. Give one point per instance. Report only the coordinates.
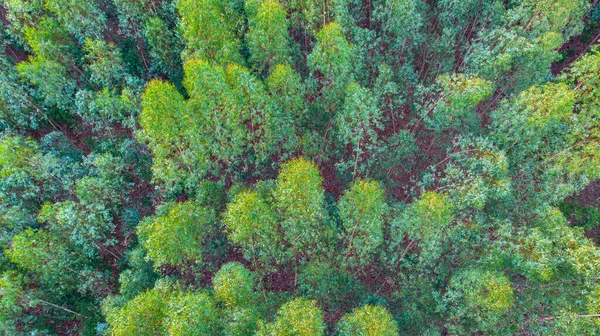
(233, 285)
(55, 87)
(131, 13)
(22, 14)
(268, 39)
(425, 221)
(106, 108)
(50, 40)
(82, 18)
(252, 224)
(287, 91)
(403, 21)
(11, 301)
(587, 217)
(297, 317)
(310, 15)
(213, 167)
(330, 62)
(163, 47)
(455, 103)
(369, 321)
(192, 314)
(104, 64)
(143, 315)
(332, 287)
(207, 32)
(179, 237)
(477, 175)
(162, 110)
(362, 210)
(357, 125)
(300, 200)
(42, 254)
(481, 297)
(16, 108)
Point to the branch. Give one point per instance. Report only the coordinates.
(61, 308)
(549, 318)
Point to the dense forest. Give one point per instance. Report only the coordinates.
(299, 167)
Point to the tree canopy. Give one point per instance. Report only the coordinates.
(299, 167)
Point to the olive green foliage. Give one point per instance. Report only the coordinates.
(268, 39)
(368, 320)
(425, 221)
(297, 317)
(179, 237)
(192, 314)
(456, 101)
(299, 167)
(331, 62)
(207, 32)
(143, 315)
(300, 200)
(363, 210)
(233, 285)
(481, 297)
(252, 224)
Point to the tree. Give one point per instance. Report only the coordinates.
(455, 103)
(330, 63)
(207, 32)
(287, 90)
(309, 15)
(481, 298)
(251, 223)
(296, 317)
(233, 286)
(368, 320)
(402, 21)
(362, 210)
(51, 41)
(357, 126)
(476, 175)
(266, 126)
(192, 314)
(161, 119)
(164, 48)
(82, 18)
(268, 39)
(45, 256)
(104, 109)
(131, 14)
(143, 315)
(54, 85)
(22, 14)
(178, 238)
(11, 303)
(299, 200)
(105, 64)
(424, 221)
(17, 110)
(287, 167)
(334, 288)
